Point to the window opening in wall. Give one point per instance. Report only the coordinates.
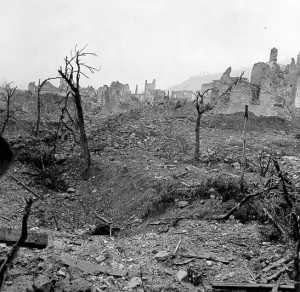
(255, 94)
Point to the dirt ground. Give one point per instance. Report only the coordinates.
(160, 202)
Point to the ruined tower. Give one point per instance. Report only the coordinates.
(273, 55)
(298, 59)
(32, 87)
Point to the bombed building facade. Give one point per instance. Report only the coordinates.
(151, 93)
(183, 95)
(273, 89)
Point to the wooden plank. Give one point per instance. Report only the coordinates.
(34, 240)
(276, 286)
(276, 264)
(250, 286)
(206, 256)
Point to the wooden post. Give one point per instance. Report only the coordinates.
(243, 162)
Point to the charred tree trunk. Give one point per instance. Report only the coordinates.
(39, 103)
(37, 127)
(71, 74)
(9, 93)
(197, 132)
(243, 161)
(83, 138)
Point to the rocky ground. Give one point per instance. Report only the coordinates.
(160, 202)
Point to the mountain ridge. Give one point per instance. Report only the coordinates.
(195, 82)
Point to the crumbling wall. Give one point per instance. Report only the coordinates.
(225, 78)
(297, 95)
(149, 86)
(243, 94)
(183, 94)
(32, 87)
(293, 73)
(260, 74)
(273, 55)
(48, 87)
(239, 95)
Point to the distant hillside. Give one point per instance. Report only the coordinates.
(285, 61)
(195, 82)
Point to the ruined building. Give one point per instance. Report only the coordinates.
(110, 97)
(273, 90)
(151, 94)
(48, 87)
(183, 95)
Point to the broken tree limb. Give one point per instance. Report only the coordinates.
(14, 251)
(206, 257)
(102, 218)
(276, 224)
(296, 267)
(252, 276)
(237, 243)
(186, 185)
(283, 181)
(55, 220)
(250, 286)
(177, 247)
(275, 288)
(276, 264)
(180, 174)
(297, 250)
(238, 206)
(278, 273)
(23, 185)
(34, 240)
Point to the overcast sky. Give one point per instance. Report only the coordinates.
(170, 40)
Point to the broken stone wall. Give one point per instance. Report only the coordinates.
(149, 86)
(32, 87)
(260, 71)
(183, 94)
(245, 93)
(50, 88)
(51, 106)
(237, 98)
(226, 78)
(297, 94)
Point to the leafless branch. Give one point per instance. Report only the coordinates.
(14, 251)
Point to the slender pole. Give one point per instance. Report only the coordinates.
(243, 162)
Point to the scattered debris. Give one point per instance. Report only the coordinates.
(34, 239)
(182, 275)
(209, 256)
(162, 255)
(90, 268)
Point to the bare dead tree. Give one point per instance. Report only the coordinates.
(71, 73)
(243, 161)
(39, 89)
(63, 123)
(6, 96)
(203, 107)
